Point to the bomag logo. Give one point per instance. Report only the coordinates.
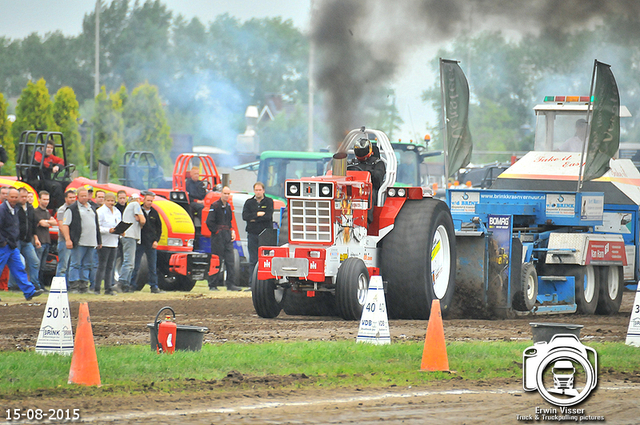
(498, 221)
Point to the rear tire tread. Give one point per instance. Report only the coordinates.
(404, 259)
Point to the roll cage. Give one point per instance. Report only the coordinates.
(385, 152)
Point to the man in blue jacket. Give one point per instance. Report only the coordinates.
(9, 253)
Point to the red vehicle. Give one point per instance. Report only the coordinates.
(213, 183)
(333, 249)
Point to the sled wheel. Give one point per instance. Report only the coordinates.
(525, 297)
(611, 288)
(587, 288)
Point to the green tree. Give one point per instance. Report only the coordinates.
(6, 140)
(259, 57)
(54, 58)
(134, 43)
(502, 83)
(34, 110)
(145, 123)
(12, 75)
(507, 79)
(108, 129)
(67, 117)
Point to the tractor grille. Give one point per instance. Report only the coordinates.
(310, 220)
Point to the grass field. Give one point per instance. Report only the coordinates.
(130, 369)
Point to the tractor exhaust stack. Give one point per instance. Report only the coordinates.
(339, 165)
(103, 172)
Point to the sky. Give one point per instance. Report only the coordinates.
(20, 18)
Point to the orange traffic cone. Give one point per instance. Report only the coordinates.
(84, 363)
(434, 355)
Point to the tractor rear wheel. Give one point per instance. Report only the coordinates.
(611, 288)
(418, 259)
(525, 297)
(266, 296)
(352, 284)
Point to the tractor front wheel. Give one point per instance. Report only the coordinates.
(266, 296)
(352, 284)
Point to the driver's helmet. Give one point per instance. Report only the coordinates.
(363, 148)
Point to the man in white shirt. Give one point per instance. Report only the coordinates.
(108, 218)
(132, 214)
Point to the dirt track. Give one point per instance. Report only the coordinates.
(230, 317)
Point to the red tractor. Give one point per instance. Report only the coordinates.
(339, 236)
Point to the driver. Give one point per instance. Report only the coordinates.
(197, 191)
(51, 164)
(366, 161)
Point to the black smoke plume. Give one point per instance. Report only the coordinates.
(360, 44)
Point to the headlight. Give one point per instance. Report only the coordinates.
(292, 189)
(402, 192)
(181, 195)
(190, 242)
(326, 190)
(392, 192)
(174, 242)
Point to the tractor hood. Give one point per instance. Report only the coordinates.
(558, 171)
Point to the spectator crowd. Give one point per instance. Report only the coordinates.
(91, 239)
(96, 232)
